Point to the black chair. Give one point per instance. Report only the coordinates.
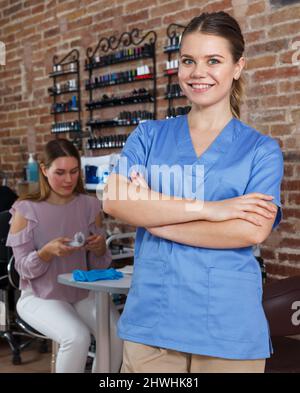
(6, 331)
(14, 278)
(9, 283)
(281, 302)
(7, 198)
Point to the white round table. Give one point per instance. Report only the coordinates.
(102, 289)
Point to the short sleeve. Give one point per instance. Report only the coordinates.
(134, 153)
(267, 173)
(25, 209)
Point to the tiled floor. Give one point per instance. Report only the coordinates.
(32, 360)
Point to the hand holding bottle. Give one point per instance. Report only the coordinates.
(57, 248)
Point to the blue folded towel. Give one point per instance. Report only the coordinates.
(97, 274)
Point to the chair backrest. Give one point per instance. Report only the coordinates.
(5, 252)
(281, 302)
(13, 275)
(7, 198)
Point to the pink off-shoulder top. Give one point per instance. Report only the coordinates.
(45, 222)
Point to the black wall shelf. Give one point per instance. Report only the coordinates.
(122, 56)
(173, 90)
(64, 86)
(107, 142)
(112, 51)
(135, 97)
(61, 73)
(96, 85)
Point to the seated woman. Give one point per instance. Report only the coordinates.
(41, 229)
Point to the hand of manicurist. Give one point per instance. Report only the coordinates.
(96, 244)
(57, 247)
(241, 207)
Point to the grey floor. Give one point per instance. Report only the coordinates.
(286, 358)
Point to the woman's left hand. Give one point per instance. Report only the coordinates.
(96, 244)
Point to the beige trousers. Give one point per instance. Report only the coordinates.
(140, 358)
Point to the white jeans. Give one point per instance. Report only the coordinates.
(70, 325)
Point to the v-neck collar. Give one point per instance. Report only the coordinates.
(214, 151)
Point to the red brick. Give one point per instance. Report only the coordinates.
(284, 14)
(290, 212)
(273, 73)
(287, 227)
(30, 3)
(273, 46)
(38, 9)
(9, 142)
(256, 8)
(181, 17)
(254, 36)
(283, 30)
(294, 198)
(137, 16)
(261, 62)
(258, 21)
(291, 257)
(87, 21)
(288, 86)
(281, 129)
(51, 32)
(282, 269)
(166, 9)
(22, 14)
(272, 95)
(267, 253)
(288, 170)
(12, 10)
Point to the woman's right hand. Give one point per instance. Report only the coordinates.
(57, 248)
(241, 207)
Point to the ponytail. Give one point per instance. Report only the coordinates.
(236, 96)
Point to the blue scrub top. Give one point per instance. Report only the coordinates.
(194, 299)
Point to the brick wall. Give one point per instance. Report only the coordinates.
(33, 31)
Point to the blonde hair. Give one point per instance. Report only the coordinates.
(53, 150)
(236, 97)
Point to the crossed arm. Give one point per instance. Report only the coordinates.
(235, 233)
(233, 223)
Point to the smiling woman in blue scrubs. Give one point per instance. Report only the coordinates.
(202, 190)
